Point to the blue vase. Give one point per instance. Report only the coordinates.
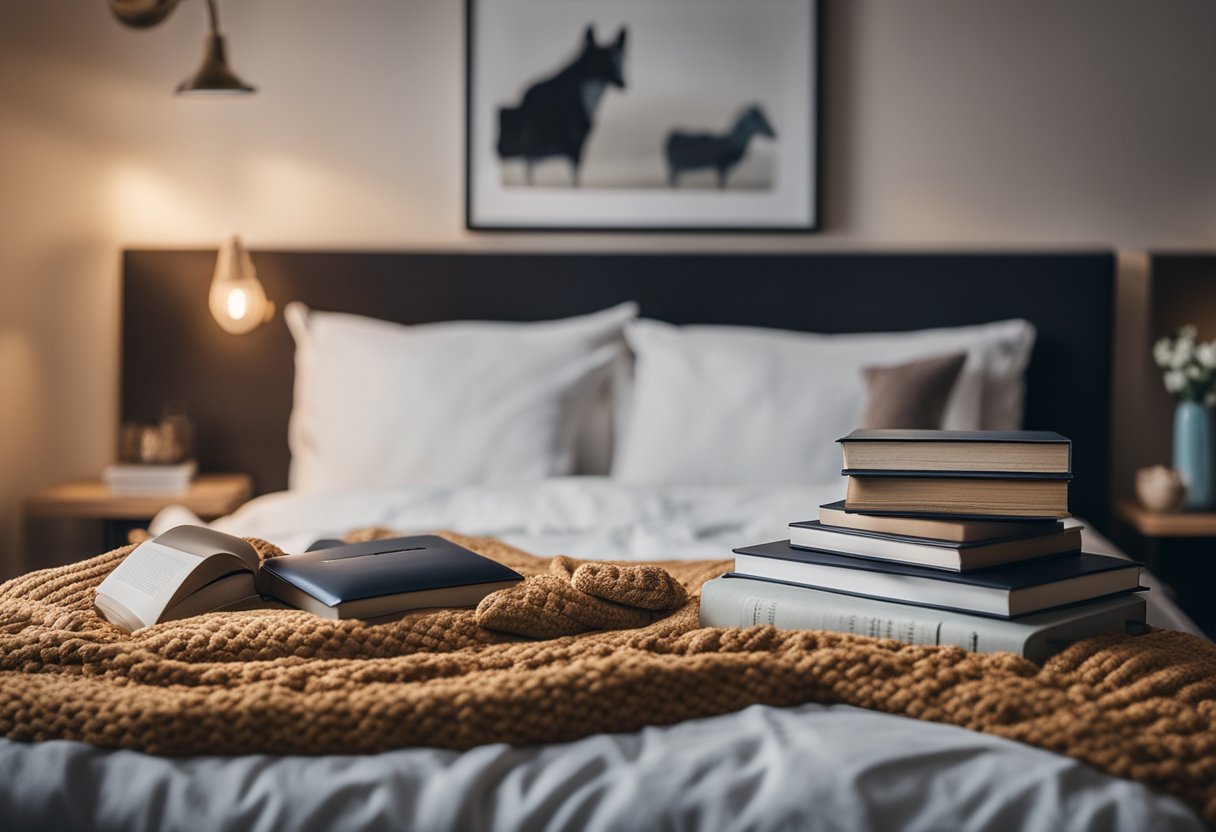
(1193, 450)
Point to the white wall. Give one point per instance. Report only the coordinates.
(1007, 123)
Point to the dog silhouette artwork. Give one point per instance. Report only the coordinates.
(698, 151)
(557, 114)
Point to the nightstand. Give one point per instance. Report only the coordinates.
(1180, 548)
(209, 496)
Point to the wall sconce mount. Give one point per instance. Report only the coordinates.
(213, 74)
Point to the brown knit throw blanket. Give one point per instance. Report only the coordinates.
(289, 683)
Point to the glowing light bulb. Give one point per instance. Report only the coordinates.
(237, 304)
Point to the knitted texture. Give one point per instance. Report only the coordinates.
(287, 682)
(594, 596)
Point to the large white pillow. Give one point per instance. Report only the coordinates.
(453, 403)
(718, 405)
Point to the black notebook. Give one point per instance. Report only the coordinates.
(383, 578)
(1003, 591)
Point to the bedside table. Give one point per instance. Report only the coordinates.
(209, 496)
(1180, 548)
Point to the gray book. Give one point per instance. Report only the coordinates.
(732, 601)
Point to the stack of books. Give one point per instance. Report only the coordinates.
(944, 537)
(139, 478)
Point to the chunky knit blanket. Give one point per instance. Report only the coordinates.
(287, 682)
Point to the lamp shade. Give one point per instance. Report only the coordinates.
(213, 74)
(142, 14)
(237, 300)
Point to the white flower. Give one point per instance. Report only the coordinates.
(1163, 354)
(1184, 351)
(1175, 381)
(1205, 354)
(1188, 332)
(1193, 371)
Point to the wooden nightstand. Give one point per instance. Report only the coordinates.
(1156, 524)
(1180, 548)
(209, 496)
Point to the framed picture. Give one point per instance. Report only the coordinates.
(654, 115)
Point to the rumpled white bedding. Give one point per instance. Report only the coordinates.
(811, 767)
(585, 517)
(808, 768)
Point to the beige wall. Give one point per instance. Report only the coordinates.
(1009, 123)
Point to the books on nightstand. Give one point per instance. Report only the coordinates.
(149, 479)
(944, 537)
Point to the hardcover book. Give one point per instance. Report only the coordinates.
(958, 530)
(965, 497)
(941, 451)
(1004, 591)
(382, 578)
(940, 554)
(736, 601)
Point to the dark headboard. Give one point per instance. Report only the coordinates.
(239, 388)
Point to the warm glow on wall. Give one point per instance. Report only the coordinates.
(238, 302)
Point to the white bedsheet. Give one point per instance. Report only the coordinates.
(811, 767)
(807, 768)
(586, 517)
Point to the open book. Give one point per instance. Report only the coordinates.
(190, 570)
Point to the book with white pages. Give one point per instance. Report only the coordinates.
(736, 601)
(936, 528)
(1005, 591)
(939, 554)
(188, 570)
(149, 479)
(191, 570)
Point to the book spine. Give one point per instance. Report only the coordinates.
(738, 602)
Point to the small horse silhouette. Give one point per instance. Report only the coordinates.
(696, 151)
(557, 114)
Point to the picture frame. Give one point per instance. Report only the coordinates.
(642, 115)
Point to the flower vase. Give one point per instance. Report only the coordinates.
(1193, 451)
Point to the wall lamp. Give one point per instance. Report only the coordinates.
(213, 74)
(237, 300)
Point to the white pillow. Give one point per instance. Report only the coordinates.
(453, 403)
(718, 405)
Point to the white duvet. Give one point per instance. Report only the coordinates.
(812, 767)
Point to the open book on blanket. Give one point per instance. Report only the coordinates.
(191, 570)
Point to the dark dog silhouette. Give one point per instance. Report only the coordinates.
(697, 151)
(557, 114)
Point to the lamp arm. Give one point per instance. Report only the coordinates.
(213, 17)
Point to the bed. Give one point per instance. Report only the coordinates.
(812, 766)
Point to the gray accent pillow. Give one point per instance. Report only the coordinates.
(912, 395)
